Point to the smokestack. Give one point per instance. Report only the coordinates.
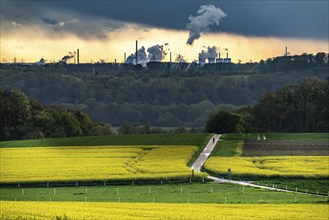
(218, 55)
(170, 57)
(78, 56)
(226, 55)
(136, 52)
(124, 57)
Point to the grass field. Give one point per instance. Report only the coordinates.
(305, 185)
(134, 139)
(228, 148)
(239, 136)
(96, 210)
(166, 193)
(271, 166)
(94, 163)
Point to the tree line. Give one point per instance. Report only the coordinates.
(24, 118)
(163, 94)
(293, 108)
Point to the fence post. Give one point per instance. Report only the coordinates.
(76, 184)
(104, 183)
(48, 184)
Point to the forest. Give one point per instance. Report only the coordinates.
(293, 108)
(23, 118)
(164, 94)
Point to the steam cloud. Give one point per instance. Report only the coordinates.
(156, 53)
(211, 52)
(208, 15)
(68, 57)
(142, 57)
(180, 58)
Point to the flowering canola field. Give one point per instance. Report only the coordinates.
(286, 166)
(89, 163)
(103, 210)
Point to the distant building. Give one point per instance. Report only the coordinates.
(211, 59)
(223, 60)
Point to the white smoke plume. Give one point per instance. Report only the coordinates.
(141, 59)
(211, 52)
(156, 53)
(208, 15)
(203, 55)
(180, 58)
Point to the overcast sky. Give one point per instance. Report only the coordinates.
(100, 19)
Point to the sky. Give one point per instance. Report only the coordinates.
(106, 29)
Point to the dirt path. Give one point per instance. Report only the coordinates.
(198, 163)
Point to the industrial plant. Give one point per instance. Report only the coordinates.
(142, 56)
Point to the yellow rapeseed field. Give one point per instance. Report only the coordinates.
(167, 211)
(47, 164)
(287, 166)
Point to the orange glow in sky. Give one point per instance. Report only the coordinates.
(33, 43)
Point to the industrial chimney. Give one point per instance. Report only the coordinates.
(136, 52)
(78, 56)
(226, 55)
(218, 55)
(124, 58)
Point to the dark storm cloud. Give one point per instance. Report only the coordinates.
(55, 20)
(50, 21)
(299, 18)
